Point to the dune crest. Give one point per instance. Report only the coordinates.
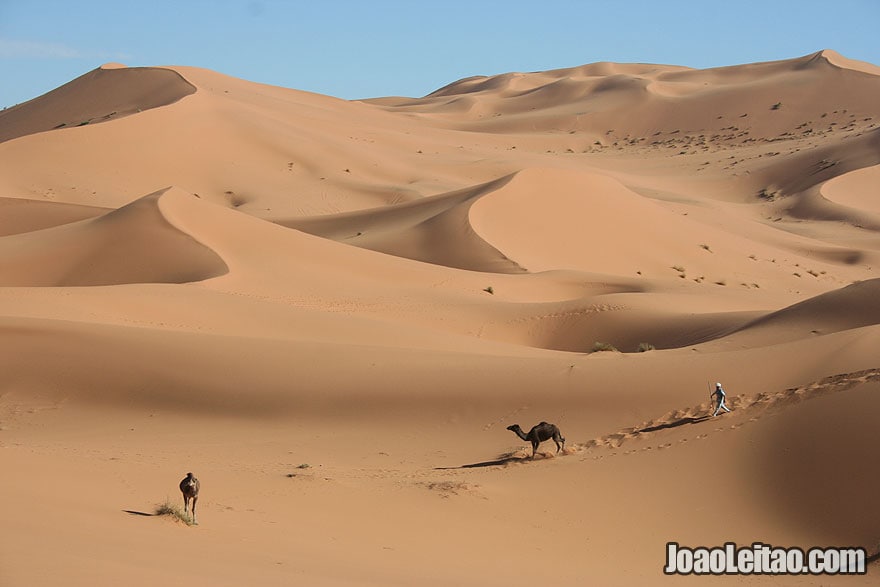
(856, 190)
(835, 58)
(103, 94)
(642, 104)
(547, 219)
(134, 244)
(18, 215)
(435, 230)
(848, 308)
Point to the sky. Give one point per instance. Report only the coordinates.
(355, 49)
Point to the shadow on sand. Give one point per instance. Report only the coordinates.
(501, 461)
(506, 459)
(674, 424)
(137, 513)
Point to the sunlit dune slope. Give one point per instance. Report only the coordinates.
(641, 104)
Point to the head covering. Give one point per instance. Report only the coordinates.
(717, 385)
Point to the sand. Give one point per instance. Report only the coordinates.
(330, 311)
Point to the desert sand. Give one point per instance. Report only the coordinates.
(330, 311)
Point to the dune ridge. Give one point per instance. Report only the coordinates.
(106, 93)
(848, 308)
(25, 215)
(650, 103)
(433, 229)
(107, 250)
(337, 308)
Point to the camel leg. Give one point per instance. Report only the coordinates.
(534, 448)
(185, 503)
(195, 499)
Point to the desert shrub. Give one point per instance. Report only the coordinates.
(768, 194)
(174, 512)
(604, 346)
(645, 346)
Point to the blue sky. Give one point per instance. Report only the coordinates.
(360, 49)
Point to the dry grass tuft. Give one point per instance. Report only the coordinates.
(175, 512)
(599, 347)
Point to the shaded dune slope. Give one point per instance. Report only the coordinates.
(134, 244)
(434, 229)
(105, 93)
(19, 215)
(848, 308)
(851, 307)
(803, 171)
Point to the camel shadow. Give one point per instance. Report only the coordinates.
(495, 463)
(674, 424)
(501, 461)
(137, 513)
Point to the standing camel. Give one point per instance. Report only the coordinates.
(539, 433)
(190, 489)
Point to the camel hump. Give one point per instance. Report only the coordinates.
(542, 423)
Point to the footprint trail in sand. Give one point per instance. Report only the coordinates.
(745, 409)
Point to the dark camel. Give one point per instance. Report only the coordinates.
(539, 434)
(190, 489)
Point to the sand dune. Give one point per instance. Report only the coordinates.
(106, 93)
(643, 105)
(848, 308)
(434, 229)
(854, 191)
(131, 245)
(338, 307)
(23, 215)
